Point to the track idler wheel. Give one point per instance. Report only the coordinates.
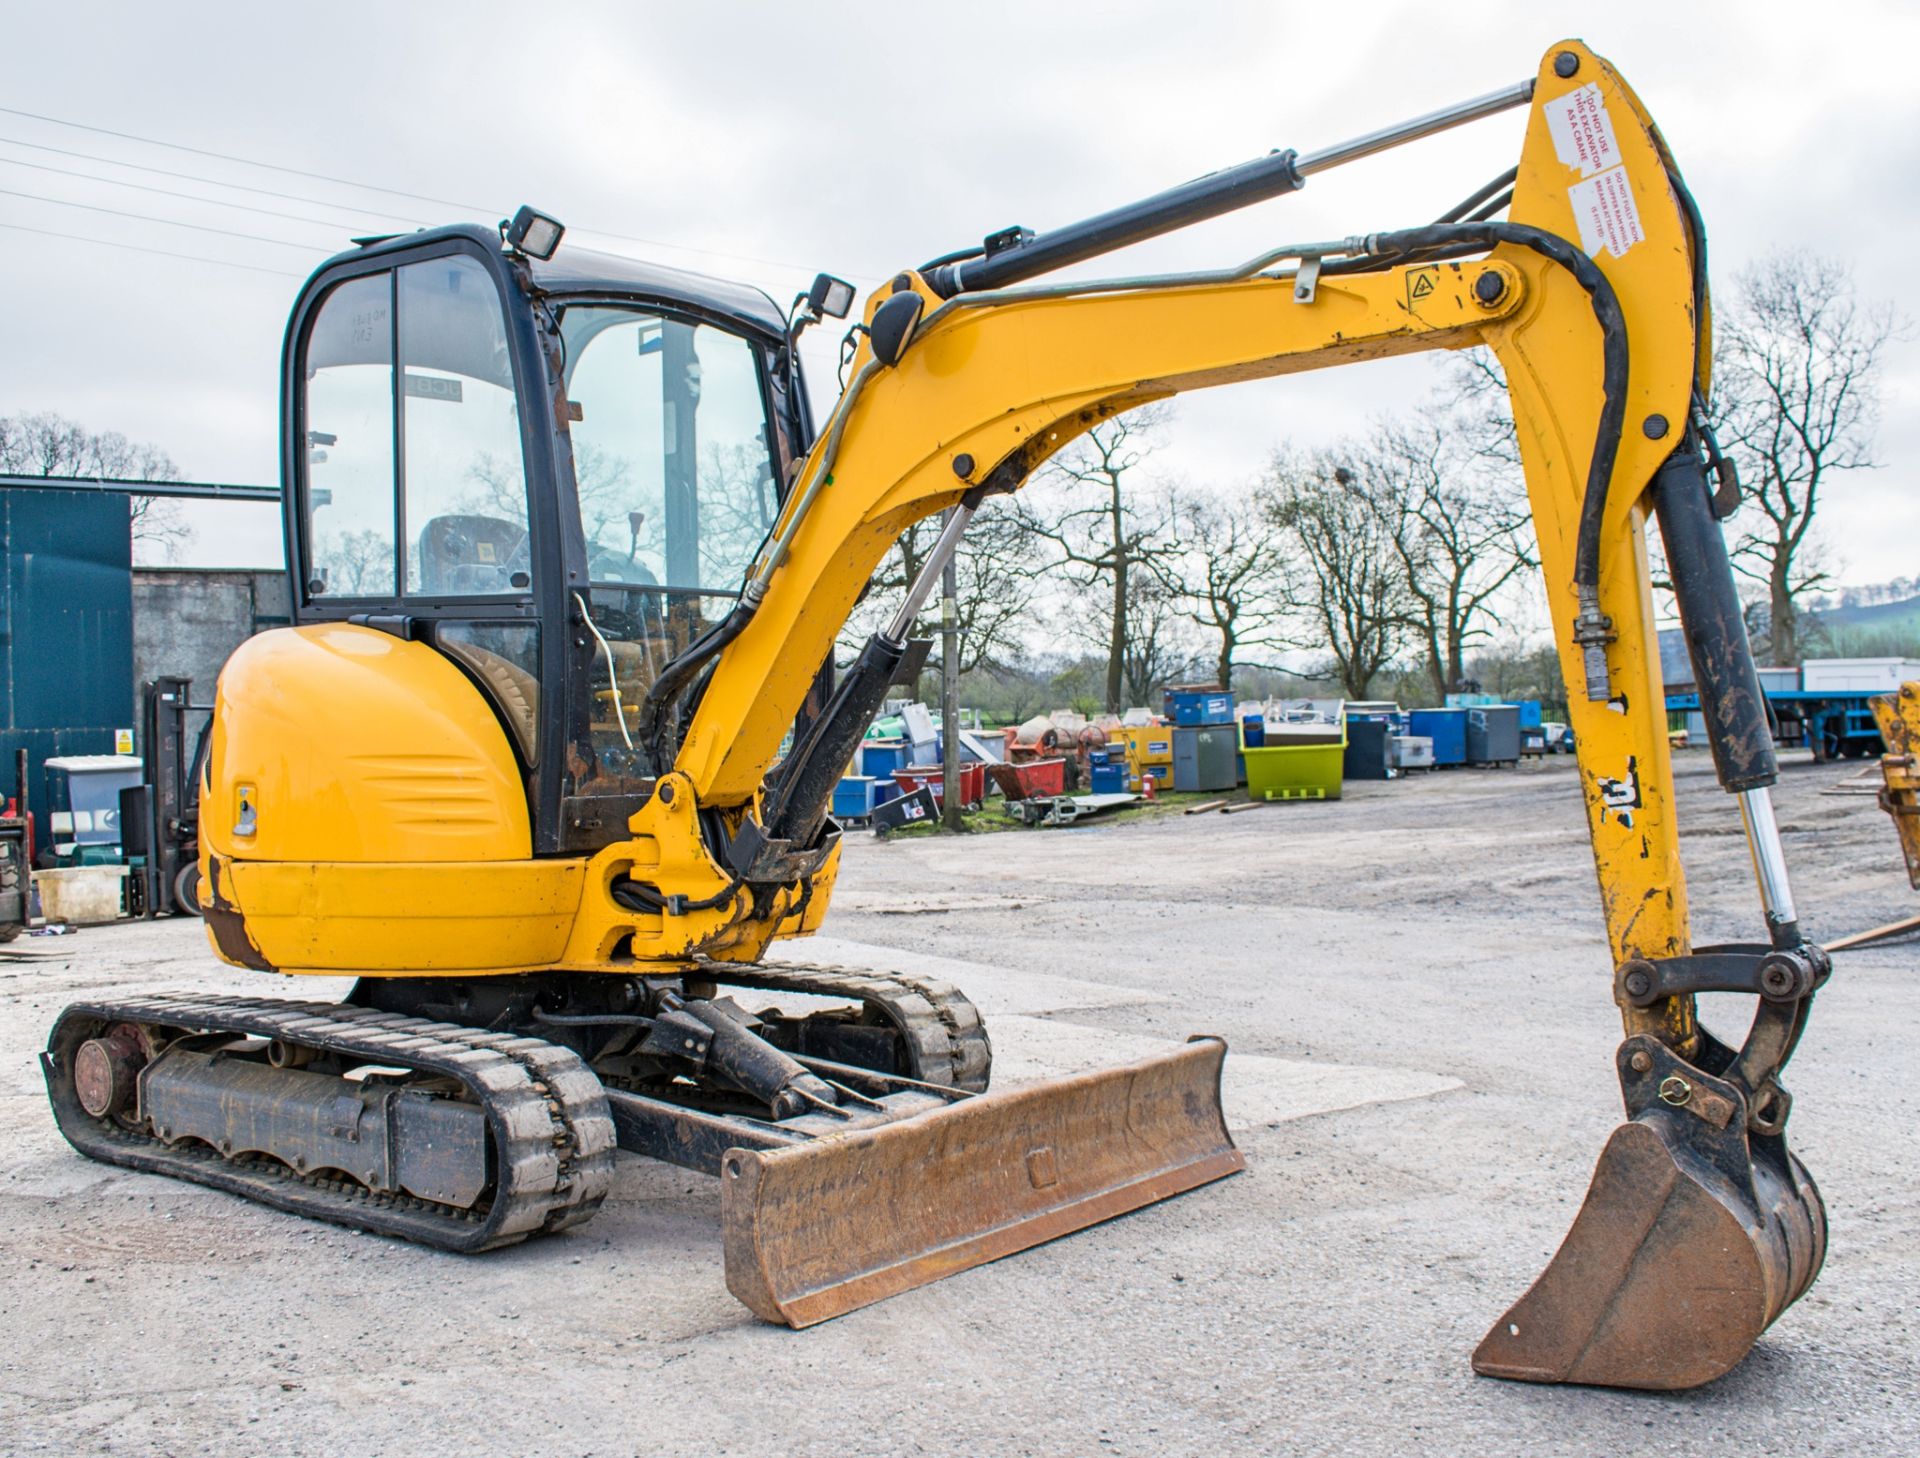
(106, 1069)
(1695, 1235)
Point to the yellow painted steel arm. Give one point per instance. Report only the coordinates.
(1006, 380)
(1013, 383)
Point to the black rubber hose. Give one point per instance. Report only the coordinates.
(638, 897)
(1498, 205)
(1460, 209)
(1613, 336)
(657, 707)
(958, 255)
(1697, 235)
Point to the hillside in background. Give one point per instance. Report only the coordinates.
(1904, 613)
(1858, 629)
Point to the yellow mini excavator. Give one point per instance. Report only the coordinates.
(545, 761)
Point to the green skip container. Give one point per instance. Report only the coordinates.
(1308, 770)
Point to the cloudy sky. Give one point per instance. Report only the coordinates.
(765, 142)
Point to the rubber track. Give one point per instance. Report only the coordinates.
(553, 1136)
(949, 1041)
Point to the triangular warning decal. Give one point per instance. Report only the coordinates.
(1422, 285)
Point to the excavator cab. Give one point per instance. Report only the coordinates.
(555, 474)
(523, 494)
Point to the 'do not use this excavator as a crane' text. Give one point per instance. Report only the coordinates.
(546, 759)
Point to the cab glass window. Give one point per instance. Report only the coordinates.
(676, 493)
(349, 416)
(505, 657)
(670, 450)
(465, 484)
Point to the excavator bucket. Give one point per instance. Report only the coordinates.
(819, 1229)
(1694, 1236)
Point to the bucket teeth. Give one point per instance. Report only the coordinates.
(822, 1228)
(1692, 1240)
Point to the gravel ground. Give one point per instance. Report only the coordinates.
(1415, 986)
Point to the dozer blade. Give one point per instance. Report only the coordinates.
(819, 1229)
(1693, 1238)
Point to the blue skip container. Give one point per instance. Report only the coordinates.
(1447, 728)
(1200, 706)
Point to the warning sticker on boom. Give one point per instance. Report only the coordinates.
(1582, 131)
(1609, 218)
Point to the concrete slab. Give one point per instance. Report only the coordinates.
(1415, 935)
(1256, 1091)
(996, 990)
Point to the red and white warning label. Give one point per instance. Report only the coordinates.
(1582, 131)
(1609, 218)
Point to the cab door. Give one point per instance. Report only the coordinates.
(422, 498)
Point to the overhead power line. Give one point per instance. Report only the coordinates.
(213, 181)
(243, 161)
(169, 222)
(213, 202)
(469, 208)
(160, 252)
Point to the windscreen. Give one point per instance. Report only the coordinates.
(676, 489)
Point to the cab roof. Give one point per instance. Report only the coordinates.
(576, 270)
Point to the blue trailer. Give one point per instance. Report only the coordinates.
(1822, 706)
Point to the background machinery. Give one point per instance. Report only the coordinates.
(1897, 716)
(16, 862)
(546, 759)
(160, 817)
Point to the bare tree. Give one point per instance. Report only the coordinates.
(1460, 528)
(1232, 579)
(610, 517)
(46, 444)
(1085, 504)
(1795, 401)
(359, 562)
(997, 563)
(1354, 597)
(1515, 669)
(1479, 410)
(737, 508)
(1160, 649)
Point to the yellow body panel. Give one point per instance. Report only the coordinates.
(1898, 716)
(355, 745)
(411, 919)
(389, 832)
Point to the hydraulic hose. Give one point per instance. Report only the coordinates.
(1613, 337)
(656, 709)
(1592, 629)
(637, 896)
